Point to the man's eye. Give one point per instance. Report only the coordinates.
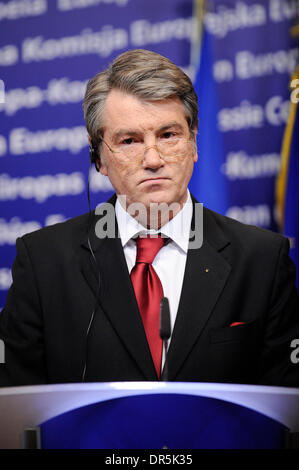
(128, 141)
(168, 135)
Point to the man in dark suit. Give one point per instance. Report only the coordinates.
(75, 310)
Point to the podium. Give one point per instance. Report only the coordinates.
(149, 415)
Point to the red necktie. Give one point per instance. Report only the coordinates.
(149, 292)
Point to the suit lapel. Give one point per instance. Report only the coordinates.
(116, 296)
(205, 276)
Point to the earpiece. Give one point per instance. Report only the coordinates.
(93, 154)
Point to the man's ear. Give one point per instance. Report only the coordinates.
(93, 155)
(98, 161)
(101, 166)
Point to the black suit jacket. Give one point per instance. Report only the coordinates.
(240, 274)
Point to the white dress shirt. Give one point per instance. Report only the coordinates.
(170, 261)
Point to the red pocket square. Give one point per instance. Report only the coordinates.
(236, 323)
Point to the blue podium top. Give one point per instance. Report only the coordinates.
(33, 405)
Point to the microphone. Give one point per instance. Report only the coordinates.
(165, 332)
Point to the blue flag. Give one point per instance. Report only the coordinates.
(209, 183)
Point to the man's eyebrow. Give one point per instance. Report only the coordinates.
(171, 124)
(122, 132)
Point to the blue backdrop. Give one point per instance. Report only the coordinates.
(49, 49)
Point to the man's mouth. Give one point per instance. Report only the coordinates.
(154, 180)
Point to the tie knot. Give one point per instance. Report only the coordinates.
(148, 247)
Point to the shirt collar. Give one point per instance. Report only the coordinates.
(177, 229)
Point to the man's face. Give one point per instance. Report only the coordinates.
(130, 121)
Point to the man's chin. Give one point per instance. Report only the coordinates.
(157, 198)
(160, 197)
(155, 209)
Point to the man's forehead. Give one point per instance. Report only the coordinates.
(127, 112)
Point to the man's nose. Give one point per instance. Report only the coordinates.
(152, 158)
